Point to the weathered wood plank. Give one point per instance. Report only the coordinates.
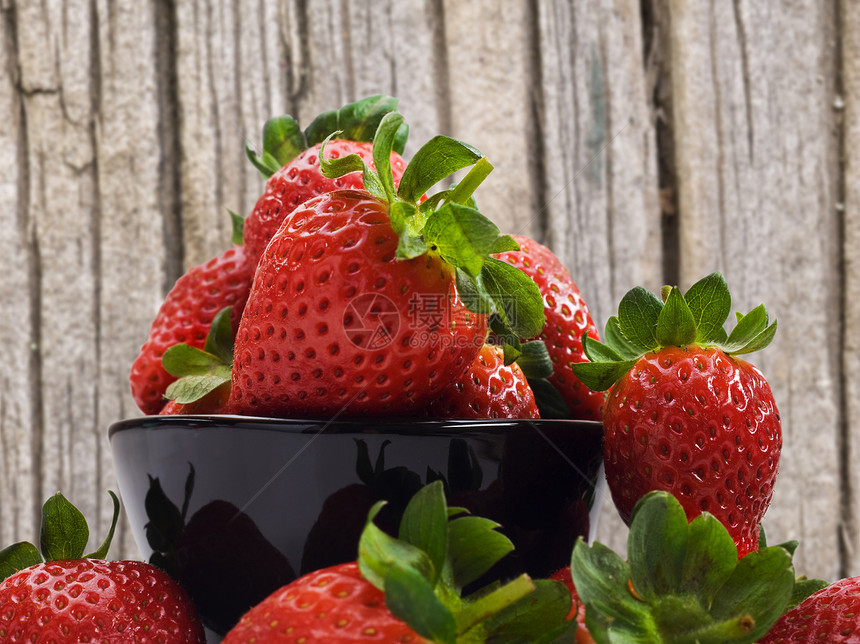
(757, 164)
(19, 404)
(849, 15)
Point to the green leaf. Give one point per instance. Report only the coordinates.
(710, 303)
(504, 244)
(282, 142)
(618, 342)
(804, 588)
(425, 525)
(675, 325)
(657, 545)
(357, 121)
(517, 298)
(710, 559)
(471, 294)
(103, 550)
(410, 245)
(600, 376)
(550, 402)
(189, 389)
(17, 557)
(467, 563)
(64, 532)
(437, 159)
(462, 236)
(760, 587)
(411, 598)
(219, 341)
(759, 342)
(748, 327)
(528, 619)
(199, 371)
(601, 577)
(237, 228)
(597, 351)
(534, 360)
(378, 553)
(383, 141)
(638, 312)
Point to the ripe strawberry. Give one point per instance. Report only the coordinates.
(335, 604)
(830, 615)
(290, 162)
(73, 598)
(489, 389)
(684, 414)
(185, 317)
(408, 589)
(567, 318)
(300, 180)
(335, 322)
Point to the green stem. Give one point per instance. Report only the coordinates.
(494, 602)
(464, 189)
(732, 630)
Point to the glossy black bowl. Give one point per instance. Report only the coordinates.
(235, 507)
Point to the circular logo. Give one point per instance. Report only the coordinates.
(371, 321)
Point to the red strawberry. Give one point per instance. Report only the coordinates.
(567, 318)
(687, 415)
(337, 320)
(185, 318)
(489, 389)
(830, 615)
(333, 605)
(85, 599)
(577, 609)
(298, 181)
(397, 591)
(215, 402)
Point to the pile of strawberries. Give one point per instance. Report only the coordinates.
(352, 290)
(351, 293)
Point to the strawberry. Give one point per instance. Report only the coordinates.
(337, 319)
(683, 582)
(300, 180)
(684, 413)
(408, 589)
(567, 318)
(290, 162)
(76, 598)
(489, 389)
(185, 317)
(828, 615)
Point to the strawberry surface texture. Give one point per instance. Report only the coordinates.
(185, 317)
(65, 601)
(567, 319)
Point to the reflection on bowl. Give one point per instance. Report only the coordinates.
(235, 507)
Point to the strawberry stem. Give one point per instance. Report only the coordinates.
(476, 612)
(463, 191)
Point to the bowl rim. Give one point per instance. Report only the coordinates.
(366, 426)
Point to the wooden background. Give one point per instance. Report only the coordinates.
(646, 142)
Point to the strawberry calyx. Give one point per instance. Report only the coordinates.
(201, 371)
(440, 550)
(448, 225)
(284, 140)
(683, 582)
(64, 535)
(646, 323)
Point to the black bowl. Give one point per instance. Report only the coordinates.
(235, 507)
